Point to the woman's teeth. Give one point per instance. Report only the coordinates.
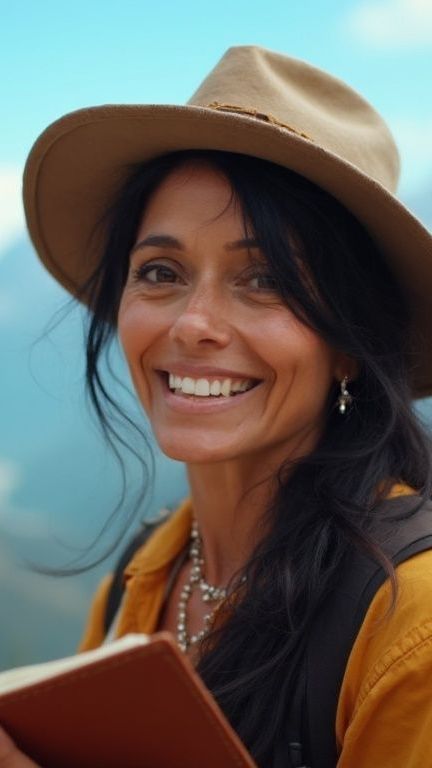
(206, 388)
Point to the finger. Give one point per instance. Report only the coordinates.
(10, 756)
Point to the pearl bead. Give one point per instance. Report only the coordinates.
(209, 593)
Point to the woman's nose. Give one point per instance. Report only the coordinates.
(202, 321)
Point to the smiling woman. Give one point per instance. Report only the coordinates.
(271, 297)
(200, 304)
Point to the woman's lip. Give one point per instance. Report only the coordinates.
(195, 404)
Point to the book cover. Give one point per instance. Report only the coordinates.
(135, 703)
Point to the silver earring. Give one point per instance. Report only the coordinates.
(344, 398)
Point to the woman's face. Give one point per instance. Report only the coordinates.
(223, 369)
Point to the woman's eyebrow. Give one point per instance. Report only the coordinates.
(246, 242)
(168, 241)
(159, 241)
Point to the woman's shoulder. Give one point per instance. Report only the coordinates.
(383, 686)
(94, 631)
(386, 631)
(393, 621)
(142, 574)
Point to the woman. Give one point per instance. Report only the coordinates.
(271, 298)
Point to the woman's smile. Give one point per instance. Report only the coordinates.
(222, 366)
(205, 395)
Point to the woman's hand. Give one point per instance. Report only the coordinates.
(10, 756)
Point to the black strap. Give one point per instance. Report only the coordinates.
(341, 617)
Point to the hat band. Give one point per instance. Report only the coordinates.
(266, 117)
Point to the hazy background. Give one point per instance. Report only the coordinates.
(57, 480)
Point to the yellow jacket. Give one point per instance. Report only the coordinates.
(384, 716)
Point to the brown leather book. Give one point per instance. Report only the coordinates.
(135, 703)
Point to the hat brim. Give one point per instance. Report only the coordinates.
(78, 164)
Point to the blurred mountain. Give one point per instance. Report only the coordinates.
(46, 427)
(58, 481)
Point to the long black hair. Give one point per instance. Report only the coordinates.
(332, 275)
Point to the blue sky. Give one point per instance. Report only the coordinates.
(59, 56)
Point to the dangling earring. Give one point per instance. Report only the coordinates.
(344, 398)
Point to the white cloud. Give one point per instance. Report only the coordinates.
(63, 598)
(9, 480)
(13, 519)
(392, 23)
(11, 209)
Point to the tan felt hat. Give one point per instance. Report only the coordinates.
(255, 102)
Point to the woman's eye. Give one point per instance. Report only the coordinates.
(262, 282)
(155, 273)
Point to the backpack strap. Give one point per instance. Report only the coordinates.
(116, 589)
(341, 617)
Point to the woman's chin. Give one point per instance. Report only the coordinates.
(195, 451)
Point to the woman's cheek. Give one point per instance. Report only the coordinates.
(131, 339)
(134, 329)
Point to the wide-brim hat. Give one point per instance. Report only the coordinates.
(254, 102)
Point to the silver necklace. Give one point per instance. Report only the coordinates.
(209, 594)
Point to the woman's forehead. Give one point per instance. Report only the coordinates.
(190, 199)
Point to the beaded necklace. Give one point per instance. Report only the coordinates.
(209, 594)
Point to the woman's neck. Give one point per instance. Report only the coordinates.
(230, 498)
(228, 503)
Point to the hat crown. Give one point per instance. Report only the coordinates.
(254, 102)
(265, 85)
